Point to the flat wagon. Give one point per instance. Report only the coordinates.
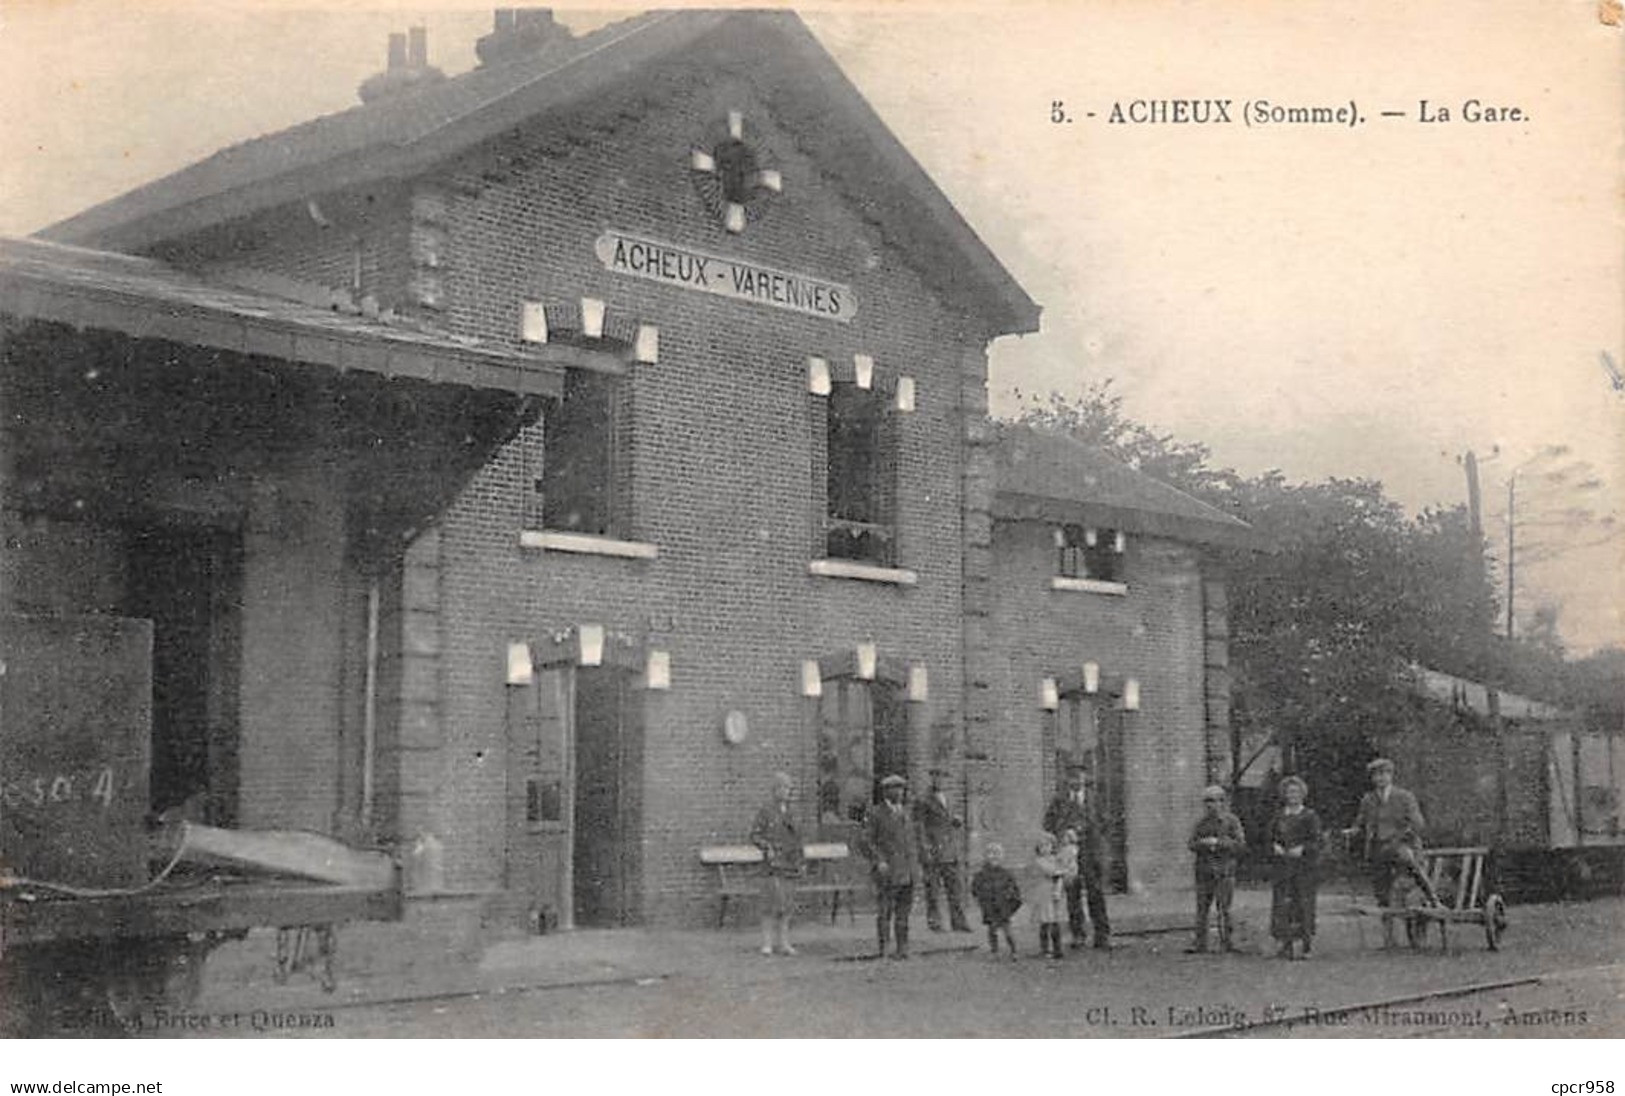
(105, 910)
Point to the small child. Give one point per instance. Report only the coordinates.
(1049, 892)
(999, 897)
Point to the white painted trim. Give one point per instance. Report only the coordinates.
(586, 545)
(646, 350)
(842, 568)
(863, 371)
(818, 376)
(1089, 586)
(533, 322)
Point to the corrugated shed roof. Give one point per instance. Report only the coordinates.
(1475, 696)
(405, 135)
(1044, 476)
(149, 299)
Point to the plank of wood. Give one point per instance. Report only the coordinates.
(289, 852)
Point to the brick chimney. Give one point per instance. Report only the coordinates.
(519, 32)
(408, 68)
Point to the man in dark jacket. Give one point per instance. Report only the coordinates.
(1390, 829)
(939, 830)
(888, 843)
(1070, 811)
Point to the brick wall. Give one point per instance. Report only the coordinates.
(722, 444)
(1154, 633)
(720, 456)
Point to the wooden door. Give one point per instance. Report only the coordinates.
(540, 795)
(608, 762)
(1111, 796)
(1093, 735)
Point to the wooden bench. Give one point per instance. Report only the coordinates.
(739, 874)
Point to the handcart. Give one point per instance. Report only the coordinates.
(1462, 894)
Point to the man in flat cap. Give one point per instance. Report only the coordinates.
(888, 844)
(939, 830)
(1389, 826)
(1216, 839)
(1070, 811)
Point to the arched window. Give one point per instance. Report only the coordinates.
(1087, 730)
(861, 480)
(862, 736)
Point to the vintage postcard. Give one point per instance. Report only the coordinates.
(1092, 520)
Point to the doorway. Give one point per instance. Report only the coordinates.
(607, 819)
(1091, 734)
(187, 580)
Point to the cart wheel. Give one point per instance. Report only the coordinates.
(285, 944)
(1416, 931)
(328, 946)
(1495, 921)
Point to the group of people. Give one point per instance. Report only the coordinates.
(920, 842)
(1389, 831)
(905, 845)
(1218, 840)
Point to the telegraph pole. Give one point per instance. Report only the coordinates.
(1475, 509)
(1512, 543)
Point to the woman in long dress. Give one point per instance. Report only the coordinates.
(1295, 841)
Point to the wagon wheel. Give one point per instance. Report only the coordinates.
(328, 946)
(1416, 931)
(1495, 921)
(286, 946)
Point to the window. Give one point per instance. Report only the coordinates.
(861, 481)
(1089, 553)
(584, 483)
(1088, 731)
(862, 736)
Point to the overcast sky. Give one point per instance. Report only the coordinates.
(1328, 300)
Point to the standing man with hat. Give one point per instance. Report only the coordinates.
(888, 843)
(1390, 828)
(1216, 839)
(939, 830)
(1070, 811)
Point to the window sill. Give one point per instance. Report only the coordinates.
(585, 544)
(1089, 586)
(867, 572)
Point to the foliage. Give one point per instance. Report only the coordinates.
(1322, 625)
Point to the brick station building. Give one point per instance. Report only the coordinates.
(757, 519)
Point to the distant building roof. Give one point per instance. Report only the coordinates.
(148, 299)
(1044, 476)
(1475, 696)
(403, 135)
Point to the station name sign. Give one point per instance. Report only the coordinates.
(686, 268)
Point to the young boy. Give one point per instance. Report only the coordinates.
(999, 896)
(1216, 839)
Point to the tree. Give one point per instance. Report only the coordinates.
(1323, 625)
(1097, 418)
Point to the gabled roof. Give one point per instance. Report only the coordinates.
(1044, 476)
(403, 136)
(148, 299)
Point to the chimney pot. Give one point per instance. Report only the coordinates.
(529, 18)
(520, 32)
(407, 71)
